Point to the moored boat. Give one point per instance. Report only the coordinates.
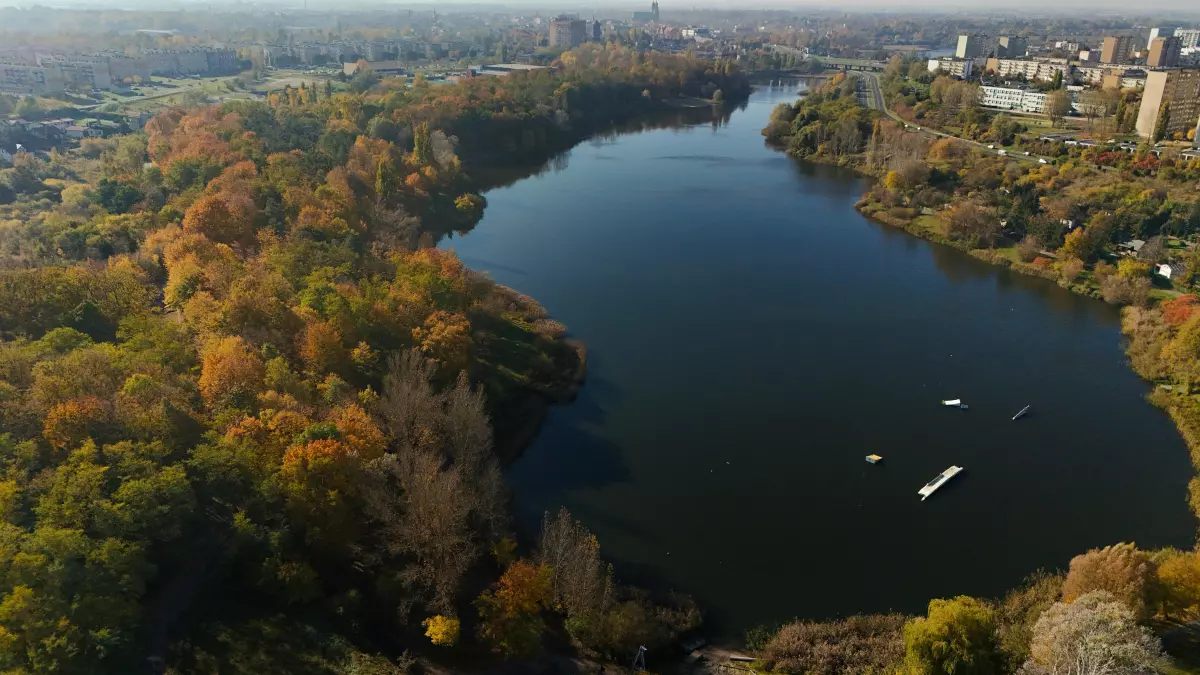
(938, 482)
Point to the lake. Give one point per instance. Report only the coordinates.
(752, 338)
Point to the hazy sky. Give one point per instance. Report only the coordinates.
(1179, 9)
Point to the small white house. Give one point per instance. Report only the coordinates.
(1165, 270)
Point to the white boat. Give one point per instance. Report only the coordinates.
(1022, 413)
(954, 403)
(938, 482)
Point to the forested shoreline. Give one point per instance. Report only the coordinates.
(1063, 222)
(251, 417)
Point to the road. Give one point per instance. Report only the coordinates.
(873, 96)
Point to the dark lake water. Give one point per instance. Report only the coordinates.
(752, 338)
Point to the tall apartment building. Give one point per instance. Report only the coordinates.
(567, 32)
(1164, 52)
(971, 46)
(1159, 31)
(1179, 91)
(1010, 47)
(1116, 49)
(1032, 69)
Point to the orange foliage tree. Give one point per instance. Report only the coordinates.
(230, 373)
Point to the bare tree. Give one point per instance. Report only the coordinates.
(1095, 635)
(1058, 104)
(439, 497)
(1154, 250)
(974, 224)
(583, 583)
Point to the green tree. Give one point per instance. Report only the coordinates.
(957, 637)
(1163, 121)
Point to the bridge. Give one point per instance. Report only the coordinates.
(849, 64)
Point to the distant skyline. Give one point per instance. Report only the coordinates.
(1179, 9)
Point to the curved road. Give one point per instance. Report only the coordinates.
(874, 98)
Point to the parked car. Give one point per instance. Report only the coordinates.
(991, 146)
(1042, 160)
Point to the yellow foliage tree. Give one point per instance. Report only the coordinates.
(441, 630)
(230, 373)
(446, 338)
(1132, 268)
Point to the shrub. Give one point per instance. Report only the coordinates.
(870, 643)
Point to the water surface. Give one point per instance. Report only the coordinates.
(752, 338)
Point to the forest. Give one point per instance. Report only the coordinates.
(1118, 609)
(254, 423)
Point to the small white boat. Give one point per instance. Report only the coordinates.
(955, 402)
(1022, 413)
(938, 482)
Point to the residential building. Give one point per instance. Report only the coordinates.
(1164, 52)
(6, 156)
(1068, 46)
(567, 32)
(1116, 49)
(1178, 90)
(1158, 32)
(971, 46)
(1044, 69)
(1189, 38)
(1124, 79)
(125, 69)
(501, 69)
(80, 72)
(22, 78)
(1013, 98)
(952, 66)
(597, 35)
(1010, 47)
(382, 68)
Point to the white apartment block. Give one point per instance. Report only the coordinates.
(952, 66)
(1190, 37)
(1032, 69)
(1013, 98)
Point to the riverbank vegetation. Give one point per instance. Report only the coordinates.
(252, 425)
(1112, 612)
(1099, 228)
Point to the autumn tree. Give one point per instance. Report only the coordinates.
(957, 637)
(974, 225)
(1094, 635)
(230, 373)
(212, 216)
(1122, 570)
(510, 614)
